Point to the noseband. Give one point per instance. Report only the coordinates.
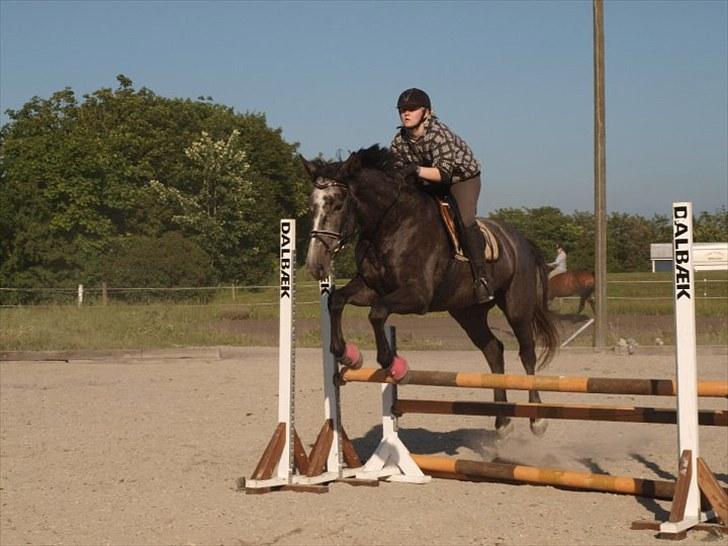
(339, 239)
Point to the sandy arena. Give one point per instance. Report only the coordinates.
(148, 448)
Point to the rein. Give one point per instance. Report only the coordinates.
(371, 239)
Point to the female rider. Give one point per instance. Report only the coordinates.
(425, 146)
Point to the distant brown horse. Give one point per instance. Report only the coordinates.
(573, 283)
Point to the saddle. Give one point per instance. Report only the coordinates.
(447, 213)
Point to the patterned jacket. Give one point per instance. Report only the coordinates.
(439, 147)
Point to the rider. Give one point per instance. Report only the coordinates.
(425, 146)
(558, 266)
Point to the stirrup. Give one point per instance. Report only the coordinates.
(483, 293)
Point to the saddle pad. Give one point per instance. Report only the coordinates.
(491, 244)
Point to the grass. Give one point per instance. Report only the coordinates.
(163, 324)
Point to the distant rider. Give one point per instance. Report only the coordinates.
(425, 146)
(559, 264)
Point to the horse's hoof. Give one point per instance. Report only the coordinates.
(398, 369)
(352, 357)
(503, 432)
(539, 426)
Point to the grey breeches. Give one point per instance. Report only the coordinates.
(466, 195)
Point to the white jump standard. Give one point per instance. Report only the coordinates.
(284, 464)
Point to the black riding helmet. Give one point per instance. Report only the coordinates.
(413, 98)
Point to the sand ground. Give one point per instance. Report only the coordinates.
(147, 448)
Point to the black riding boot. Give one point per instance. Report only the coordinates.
(475, 248)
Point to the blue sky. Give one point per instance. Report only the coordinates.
(513, 78)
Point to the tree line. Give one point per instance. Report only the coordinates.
(628, 236)
(133, 189)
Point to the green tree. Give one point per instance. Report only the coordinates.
(712, 228)
(74, 176)
(171, 260)
(218, 212)
(544, 226)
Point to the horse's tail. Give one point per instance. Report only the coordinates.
(544, 325)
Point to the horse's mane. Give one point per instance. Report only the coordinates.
(327, 168)
(378, 158)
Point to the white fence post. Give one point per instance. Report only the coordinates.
(80, 295)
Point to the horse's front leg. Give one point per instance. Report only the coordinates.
(356, 293)
(401, 301)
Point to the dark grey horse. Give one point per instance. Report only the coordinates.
(405, 265)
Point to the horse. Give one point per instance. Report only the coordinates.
(573, 283)
(406, 265)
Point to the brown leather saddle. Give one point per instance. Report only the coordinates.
(448, 217)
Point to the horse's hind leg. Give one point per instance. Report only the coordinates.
(527, 353)
(474, 321)
(584, 297)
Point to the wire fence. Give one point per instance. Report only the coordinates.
(266, 295)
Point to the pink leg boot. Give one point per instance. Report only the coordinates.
(352, 357)
(398, 369)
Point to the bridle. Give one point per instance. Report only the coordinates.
(332, 240)
(340, 239)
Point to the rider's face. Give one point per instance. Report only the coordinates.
(411, 117)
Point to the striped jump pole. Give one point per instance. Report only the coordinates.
(600, 385)
(463, 469)
(581, 412)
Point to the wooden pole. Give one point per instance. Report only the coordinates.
(461, 469)
(474, 380)
(600, 183)
(627, 414)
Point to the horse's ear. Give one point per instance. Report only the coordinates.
(309, 166)
(350, 167)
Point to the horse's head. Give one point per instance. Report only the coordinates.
(333, 221)
(364, 182)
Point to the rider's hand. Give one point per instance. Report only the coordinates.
(409, 169)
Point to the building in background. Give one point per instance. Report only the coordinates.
(706, 256)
